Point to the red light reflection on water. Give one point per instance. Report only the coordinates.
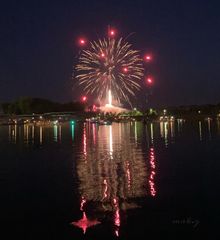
(85, 223)
(152, 173)
(83, 201)
(105, 194)
(94, 133)
(128, 174)
(117, 220)
(84, 141)
(109, 187)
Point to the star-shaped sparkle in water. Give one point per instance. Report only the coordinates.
(85, 223)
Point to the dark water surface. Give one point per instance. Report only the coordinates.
(124, 181)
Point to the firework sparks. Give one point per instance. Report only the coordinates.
(110, 64)
(109, 97)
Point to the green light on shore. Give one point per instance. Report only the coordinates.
(72, 122)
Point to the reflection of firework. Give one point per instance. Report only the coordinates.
(110, 64)
(112, 167)
(112, 170)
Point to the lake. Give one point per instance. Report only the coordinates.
(121, 181)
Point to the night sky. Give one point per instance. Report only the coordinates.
(38, 46)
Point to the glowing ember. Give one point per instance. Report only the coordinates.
(82, 41)
(149, 80)
(148, 57)
(84, 98)
(125, 69)
(109, 97)
(112, 32)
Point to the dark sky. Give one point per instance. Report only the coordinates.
(38, 45)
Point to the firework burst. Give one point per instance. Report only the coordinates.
(110, 64)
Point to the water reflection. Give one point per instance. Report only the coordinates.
(152, 167)
(179, 125)
(55, 132)
(164, 131)
(218, 125)
(205, 129)
(72, 131)
(94, 133)
(9, 132)
(26, 133)
(12, 133)
(84, 141)
(108, 161)
(41, 135)
(117, 165)
(84, 222)
(167, 131)
(152, 132)
(32, 133)
(60, 133)
(200, 130)
(135, 131)
(172, 130)
(209, 128)
(152, 172)
(113, 170)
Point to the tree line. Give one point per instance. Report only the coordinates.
(28, 105)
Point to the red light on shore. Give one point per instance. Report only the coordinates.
(102, 55)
